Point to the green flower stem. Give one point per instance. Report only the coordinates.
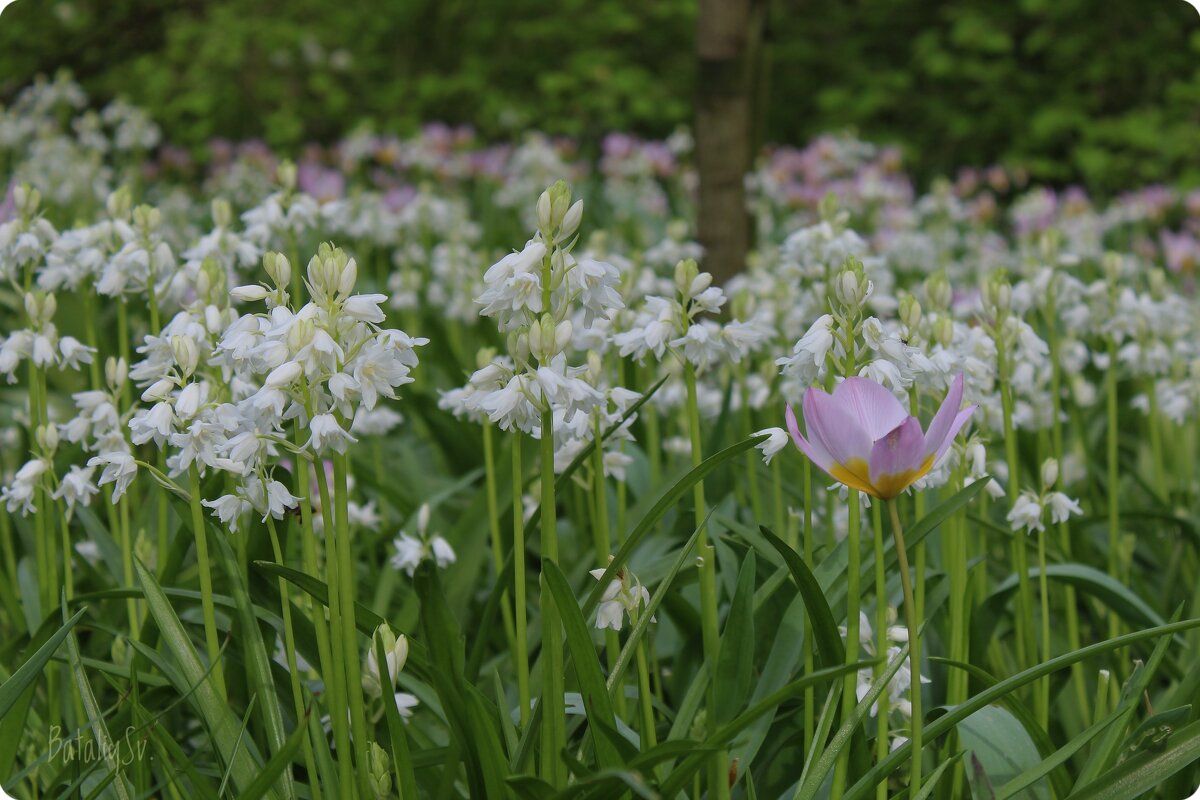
(781, 520)
(308, 554)
(1156, 446)
(645, 696)
(1114, 508)
(1064, 531)
(1043, 704)
(752, 457)
(123, 346)
(554, 733)
(718, 780)
(489, 462)
(339, 702)
(518, 509)
(881, 641)
(1024, 644)
(289, 649)
(601, 537)
(89, 327)
(914, 644)
(212, 644)
(347, 585)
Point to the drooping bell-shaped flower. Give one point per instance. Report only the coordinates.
(863, 437)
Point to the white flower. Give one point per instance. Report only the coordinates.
(623, 594)
(119, 469)
(20, 493)
(365, 307)
(228, 508)
(396, 654)
(76, 487)
(327, 434)
(777, 439)
(443, 553)
(1061, 507)
(1026, 513)
(409, 552)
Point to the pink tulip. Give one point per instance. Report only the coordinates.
(864, 438)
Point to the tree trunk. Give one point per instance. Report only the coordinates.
(727, 38)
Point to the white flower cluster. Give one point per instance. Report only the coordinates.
(412, 550)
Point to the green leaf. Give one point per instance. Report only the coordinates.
(736, 658)
(33, 668)
(825, 631)
(1146, 770)
(223, 726)
(398, 736)
(1002, 746)
(866, 784)
(587, 667)
(92, 709)
(811, 782)
(254, 651)
(665, 502)
(279, 763)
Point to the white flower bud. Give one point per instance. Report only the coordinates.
(423, 519)
(47, 438)
(222, 212)
(1049, 473)
(543, 211)
(562, 335)
(286, 175)
(116, 371)
(279, 268)
(158, 391)
(283, 375)
(347, 278)
(571, 219)
(186, 354)
(250, 293)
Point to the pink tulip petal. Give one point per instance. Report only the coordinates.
(812, 449)
(939, 426)
(877, 409)
(898, 459)
(835, 426)
(960, 419)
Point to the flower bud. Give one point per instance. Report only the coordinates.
(186, 354)
(379, 772)
(347, 278)
(938, 292)
(120, 650)
(286, 175)
(851, 288)
(1112, 267)
(46, 437)
(686, 271)
(284, 375)
(32, 308)
(1049, 473)
(158, 391)
(943, 331)
(595, 367)
(222, 212)
(571, 219)
(560, 201)
(146, 218)
(300, 334)
(279, 268)
(1158, 283)
(518, 345)
(250, 293)
(910, 312)
(484, 356)
(544, 206)
(119, 203)
(116, 371)
(562, 335)
(996, 294)
(423, 518)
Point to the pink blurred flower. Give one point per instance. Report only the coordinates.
(864, 438)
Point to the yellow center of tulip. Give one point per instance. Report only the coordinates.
(856, 474)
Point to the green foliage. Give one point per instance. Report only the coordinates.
(1106, 93)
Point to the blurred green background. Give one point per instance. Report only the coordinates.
(1104, 92)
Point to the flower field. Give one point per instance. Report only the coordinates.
(430, 467)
